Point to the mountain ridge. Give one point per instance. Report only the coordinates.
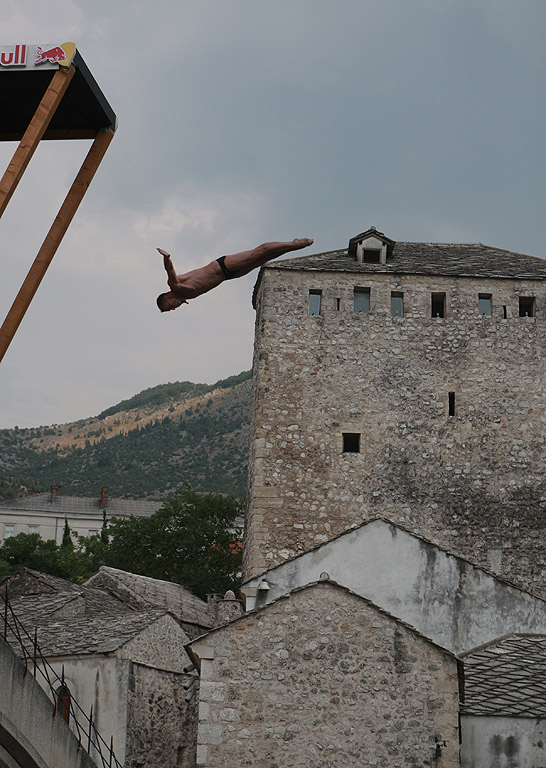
(145, 446)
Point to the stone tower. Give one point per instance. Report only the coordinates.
(404, 381)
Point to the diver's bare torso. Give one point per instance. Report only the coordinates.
(198, 281)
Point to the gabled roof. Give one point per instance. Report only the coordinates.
(86, 636)
(142, 591)
(372, 232)
(394, 527)
(76, 505)
(321, 584)
(403, 573)
(30, 582)
(35, 610)
(506, 677)
(447, 259)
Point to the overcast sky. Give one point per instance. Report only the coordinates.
(242, 121)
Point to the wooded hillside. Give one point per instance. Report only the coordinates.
(145, 446)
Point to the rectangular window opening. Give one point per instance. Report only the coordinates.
(526, 306)
(397, 304)
(451, 403)
(437, 304)
(371, 256)
(504, 314)
(9, 530)
(361, 300)
(33, 528)
(484, 303)
(338, 304)
(351, 442)
(315, 300)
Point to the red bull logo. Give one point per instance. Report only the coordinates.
(54, 55)
(43, 56)
(16, 57)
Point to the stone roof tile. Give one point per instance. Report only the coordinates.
(506, 678)
(103, 634)
(29, 582)
(36, 609)
(141, 591)
(449, 259)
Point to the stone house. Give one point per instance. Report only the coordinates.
(397, 449)
(403, 381)
(454, 603)
(324, 677)
(120, 656)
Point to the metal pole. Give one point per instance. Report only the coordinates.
(89, 736)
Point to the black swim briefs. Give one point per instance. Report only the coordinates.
(227, 272)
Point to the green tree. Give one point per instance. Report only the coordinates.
(67, 538)
(193, 540)
(84, 558)
(31, 551)
(104, 529)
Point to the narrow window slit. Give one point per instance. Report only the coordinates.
(451, 403)
(437, 305)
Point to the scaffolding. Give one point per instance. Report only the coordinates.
(48, 93)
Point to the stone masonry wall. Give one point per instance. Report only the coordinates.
(474, 482)
(324, 678)
(160, 644)
(161, 725)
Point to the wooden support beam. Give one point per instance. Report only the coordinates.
(33, 134)
(53, 238)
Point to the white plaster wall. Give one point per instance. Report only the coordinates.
(446, 598)
(101, 683)
(503, 742)
(50, 525)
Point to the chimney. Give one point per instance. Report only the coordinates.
(53, 494)
(59, 490)
(104, 497)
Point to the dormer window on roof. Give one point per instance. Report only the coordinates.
(371, 247)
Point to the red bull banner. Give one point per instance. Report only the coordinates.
(24, 56)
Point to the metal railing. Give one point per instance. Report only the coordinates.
(82, 725)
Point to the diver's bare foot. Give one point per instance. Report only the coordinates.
(302, 242)
(162, 252)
